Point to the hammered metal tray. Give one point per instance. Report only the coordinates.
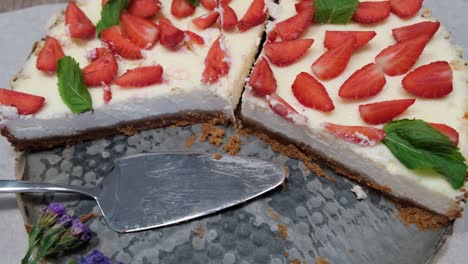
(310, 217)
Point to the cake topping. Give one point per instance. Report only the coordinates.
(49, 55)
(26, 104)
(255, 15)
(434, 80)
(97, 53)
(101, 71)
(143, 33)
(118, 43)
(228, 17)
(293, 27)
(334, 61)
(311, 93)
(183, 8)
(206, 20)
(384, 112)
(285, 110)
(334, 39)
(305, 5)
(216, 62)
(110, 14)
(361, 135)
(371, 12)
(77, 23)
(140, 77)
(451, 133)
(334, 11)
(144, 8)
(261, 79)
(405, 8)
(401, 57)
(426, 28)
(194, 38)
(287, 52)
(210, 4)
(365, 82)
(107, 95)
(171, 37)
(72, 89)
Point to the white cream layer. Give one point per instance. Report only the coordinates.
(376, 162)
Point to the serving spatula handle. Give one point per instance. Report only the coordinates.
(7, 186)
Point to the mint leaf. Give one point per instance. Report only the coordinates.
(110, 14)
(419, 146)
(71, 86)
(194, 2)
(334, 11)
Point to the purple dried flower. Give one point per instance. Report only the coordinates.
(56, 209)
(95, 257)
(64, 221)
(80, 230)
(50, 214)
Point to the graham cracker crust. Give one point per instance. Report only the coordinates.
(127, 128)
(410, 213)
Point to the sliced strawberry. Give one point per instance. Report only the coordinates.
(77, 23)
(49, 55)
(104, 2)
(101, 71)
(209, 4)
(333, 62)
(144, 8)
(107, 95)
(371, 12)
(97, 53)
(170, 36)
(229, 18)
(426, 28)
(304, 5)
(401, 57)
(334, 39)
(364, 83)
(255, 15)
(451, 133)
(261, 79)
(405, 8)
(293, 27)
(384, 112)
(182, 8)
(26, 104)
(361, 135)
(140, 77)
(118, 43)
(434, 80)
(285, 110)
(287, 52)
(144, 33)
(311, 93)
(216, 62)
(194, 38)
(206, 20)
(272, 35)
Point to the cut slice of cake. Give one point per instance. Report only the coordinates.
(336, 98)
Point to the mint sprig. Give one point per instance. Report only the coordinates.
(419, 146)
(334, 11)
(71, 86)
(194, 2)
(110, 14)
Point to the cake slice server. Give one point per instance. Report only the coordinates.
(153, 190)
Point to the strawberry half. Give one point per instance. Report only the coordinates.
(97, 53)
(334, 39)
(361, 135)
(285, 110)
(405, 8)
(371, 12)
(77, 23)
(287, 52)
(293, 27)
(144, 33)
(365, 82)
(426, 28)
(229, 17)
(311, 93)
(194, 38)
(333, 62)
(261, 79)
(206, 20)
(216, 64)
(255, 15)
(305, 5)
(434, 80)
(144, 8)
(114, 38)
(49, 55)
(209, 4)
(401, 57)
(451, 133)
(170, 36)
(26, 104)
(140, 77)
(182, 8)
(384, 112)
(101, 71)
(107, 95)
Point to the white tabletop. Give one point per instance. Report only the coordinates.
(452, 14)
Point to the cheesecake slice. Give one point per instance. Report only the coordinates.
(323, 90)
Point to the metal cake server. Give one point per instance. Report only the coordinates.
(158, 189)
